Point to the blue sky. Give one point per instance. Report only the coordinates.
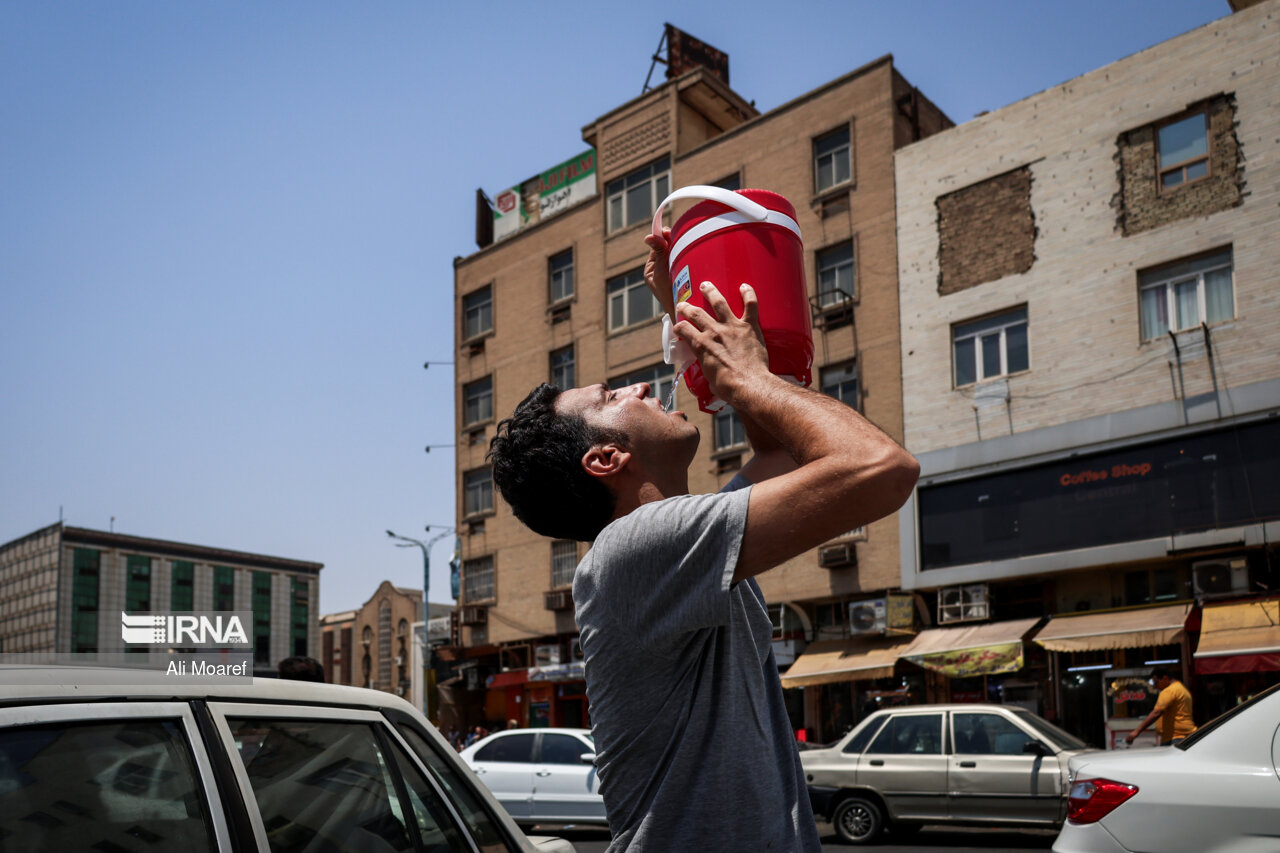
(227, 229)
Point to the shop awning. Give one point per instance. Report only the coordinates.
(1115, 629)
(510, 678)
(1242, 636)
(983, 649)
(829, 661)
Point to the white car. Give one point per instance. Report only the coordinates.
(132, 760)
(1217, 791)
(540, 775)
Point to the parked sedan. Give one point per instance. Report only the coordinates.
(540, 775)
(129, 760)
(1218, 790)
(989, 765)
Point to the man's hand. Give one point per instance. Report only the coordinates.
(657, 270)
(1131, 737)
(730, 349)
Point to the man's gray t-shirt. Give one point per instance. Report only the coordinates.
(693, 744)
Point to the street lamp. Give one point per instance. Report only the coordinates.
(429, 698)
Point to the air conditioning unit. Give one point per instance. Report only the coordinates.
(1220, 577)
(969, 603)
(867, 617)
(837, 556)
(474, 616)
(561, 599)
(548, 655)
(399, 661)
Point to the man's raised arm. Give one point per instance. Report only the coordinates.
(848, 472)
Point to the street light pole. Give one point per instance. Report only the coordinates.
(429, 698)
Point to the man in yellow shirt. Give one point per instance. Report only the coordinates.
(1173, 709)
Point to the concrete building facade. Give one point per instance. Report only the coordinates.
(563, 300)
(62, 589)
(1090, 315)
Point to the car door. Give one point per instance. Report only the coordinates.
(565, 787)
(333, 779)
(906, 765)
(107, 776)
(505, 766)
(991, 778)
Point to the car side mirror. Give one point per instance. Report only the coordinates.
(587, 758)
(1035, 747)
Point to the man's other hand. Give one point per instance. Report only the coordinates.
(657, 270)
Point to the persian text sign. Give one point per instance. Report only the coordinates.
(960, 663)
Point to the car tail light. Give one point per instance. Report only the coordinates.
(1093, 799)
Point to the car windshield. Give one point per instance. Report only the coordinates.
(1216, 723)
(1047, 730)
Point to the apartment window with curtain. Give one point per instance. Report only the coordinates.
(633, 198)
(1183, 295)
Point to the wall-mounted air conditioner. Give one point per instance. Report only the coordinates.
(838, 556)
(560, 599)
(969, 603)
(867, 617)
(1220, 577)
(548, 655)
(474, 616)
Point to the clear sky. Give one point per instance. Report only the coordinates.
(227, 229)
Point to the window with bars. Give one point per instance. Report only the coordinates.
(990, 348)
(564, 560)
(477, 580)
(630, 300)
(563, 375)
(1182, 148)
(477, 491)
(832, 164)
(841, 381)
(477, 401)
(633, 198)
(660, 377)
(560, 276)
(477, 313)
(1182, 295)
(835, 274)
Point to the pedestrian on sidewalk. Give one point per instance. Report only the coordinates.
(1173, 710)
(694, 748)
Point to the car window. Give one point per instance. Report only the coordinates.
(102, 786)
(1047, 730)
(518, 748)
(322, 785)
(563, 749)
(987, 734)
(484, 830)
(910, 734)
(431, 813)
(863, 736)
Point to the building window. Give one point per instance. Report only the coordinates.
(477, 313)
(224, 588)
(261, 618)
(564, 560)
(1183, 150)
(477, 580)
(733, 182)
(661, 379)
(86, 568)
(633, 198)
(477, 401)
(991, 347)
(477, 491)
(835, 274)
(841, 381)
(182, 585)
(560, 275)
(299, 605)
(729, 432)
(1183, 295)
(562, 372)
(832, 164)
(630, 300)
(137, 590)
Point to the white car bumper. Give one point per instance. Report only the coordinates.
(1086, 838)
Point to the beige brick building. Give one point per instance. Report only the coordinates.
(372, 645)
(62, 590)
(562, 300)
(1090, 311)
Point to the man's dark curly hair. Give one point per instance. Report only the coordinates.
(537, 466)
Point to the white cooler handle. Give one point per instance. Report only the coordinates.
(752, 210)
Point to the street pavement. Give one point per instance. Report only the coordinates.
(927, 840)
